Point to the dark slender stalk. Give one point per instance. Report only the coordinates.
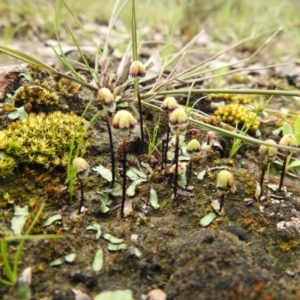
(141, 116)
(163, 149)
(222, 202)
(261, 182)
(283, 172)
(112, 154)
(82, 197)
(124, 177)
(165, 154)
(176, 165)
(188, 175)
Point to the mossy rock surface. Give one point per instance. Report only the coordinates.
(242, 255)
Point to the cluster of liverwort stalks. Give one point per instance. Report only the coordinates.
(269, 155)
(124, 122)
(121, 121)
(225, 180)
(178, 122)
(177, 126)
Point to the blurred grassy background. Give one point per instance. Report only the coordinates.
(226, 21)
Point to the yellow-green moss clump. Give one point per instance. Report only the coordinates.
(6, 108)
(43, 139)
(238, 78)
(68, 88)
(236, 114)
(36, 95)
(7, 165)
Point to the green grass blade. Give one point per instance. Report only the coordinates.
(32, 237)
(81, 53)
(114, 16)
(220, 91)
(70, 171)
(33, 61)
(85, 131)
(86, 33)
(26, 58)
(183, 51)
(5, 282)
(187, 108)
(133, 30)
(66, 63)
(231, 134)
(71, 174)
(61, 56)
(134, 47)
(7, 267)
(297, 126)
(21, 244)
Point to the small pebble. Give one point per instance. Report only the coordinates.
(290, 273)
(157, 294)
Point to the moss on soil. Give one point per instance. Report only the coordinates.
(241, 256)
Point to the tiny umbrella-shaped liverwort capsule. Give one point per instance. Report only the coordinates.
(137, 69)
(290, 140)
(225, 184)
(178, 122)
(124, 122)
(268, 153)
(82, 169)
(181, 168)
(107, 99)
(211, 137)
(168, 105)
(193, 148)
(212, 142)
